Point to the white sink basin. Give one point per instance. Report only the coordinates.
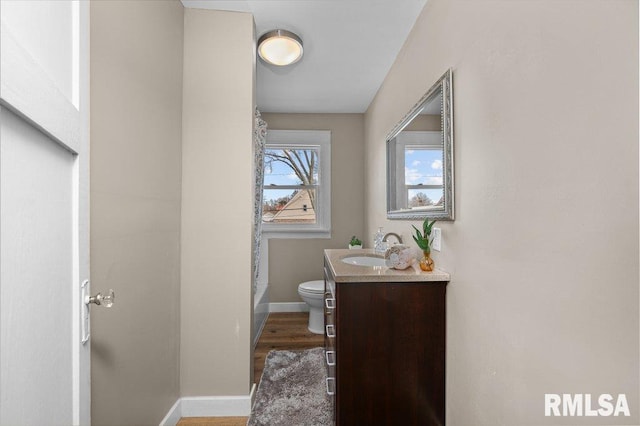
(364, 261)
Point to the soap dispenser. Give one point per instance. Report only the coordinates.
(379, 245)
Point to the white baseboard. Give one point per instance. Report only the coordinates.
(260, 311)
(288, 307)
(210, 406)
(173, 416)
(260, 327)
(218, 406)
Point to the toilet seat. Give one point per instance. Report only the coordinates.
(314, 287)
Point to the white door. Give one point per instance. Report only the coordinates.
(44, 366)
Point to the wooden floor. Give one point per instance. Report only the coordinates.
(282, 331)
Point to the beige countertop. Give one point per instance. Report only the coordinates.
(345, 273)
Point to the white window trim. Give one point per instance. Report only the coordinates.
(320, 139)
(422, 139)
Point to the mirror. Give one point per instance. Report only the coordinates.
(420, 158)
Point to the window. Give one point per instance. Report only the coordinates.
(419, 154)
(297, 183)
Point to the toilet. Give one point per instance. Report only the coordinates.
(312, 292)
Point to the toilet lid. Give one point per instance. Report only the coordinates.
(313, 286)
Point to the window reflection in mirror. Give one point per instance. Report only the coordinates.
(419, 158)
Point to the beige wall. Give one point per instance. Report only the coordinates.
(294, 261)
(217, 203)
(425, 122)
(544, 249)
(136, 101)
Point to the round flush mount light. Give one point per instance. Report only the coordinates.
(280, 47)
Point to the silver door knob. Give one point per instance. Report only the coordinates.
(103, 300)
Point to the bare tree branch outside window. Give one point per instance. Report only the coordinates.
(302, 162)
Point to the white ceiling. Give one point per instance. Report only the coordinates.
(349, 46)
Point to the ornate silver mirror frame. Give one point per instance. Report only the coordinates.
(410, 191)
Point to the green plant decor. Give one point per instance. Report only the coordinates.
(355, 242)
(423, 239)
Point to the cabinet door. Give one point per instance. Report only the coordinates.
(391, 353)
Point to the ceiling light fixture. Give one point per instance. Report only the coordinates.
(280, 47)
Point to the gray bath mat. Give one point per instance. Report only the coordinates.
(292, 391)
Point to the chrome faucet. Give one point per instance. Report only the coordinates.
(392, 234)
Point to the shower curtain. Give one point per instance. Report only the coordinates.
(259, 140)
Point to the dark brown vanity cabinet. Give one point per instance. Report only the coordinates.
(385, 351)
